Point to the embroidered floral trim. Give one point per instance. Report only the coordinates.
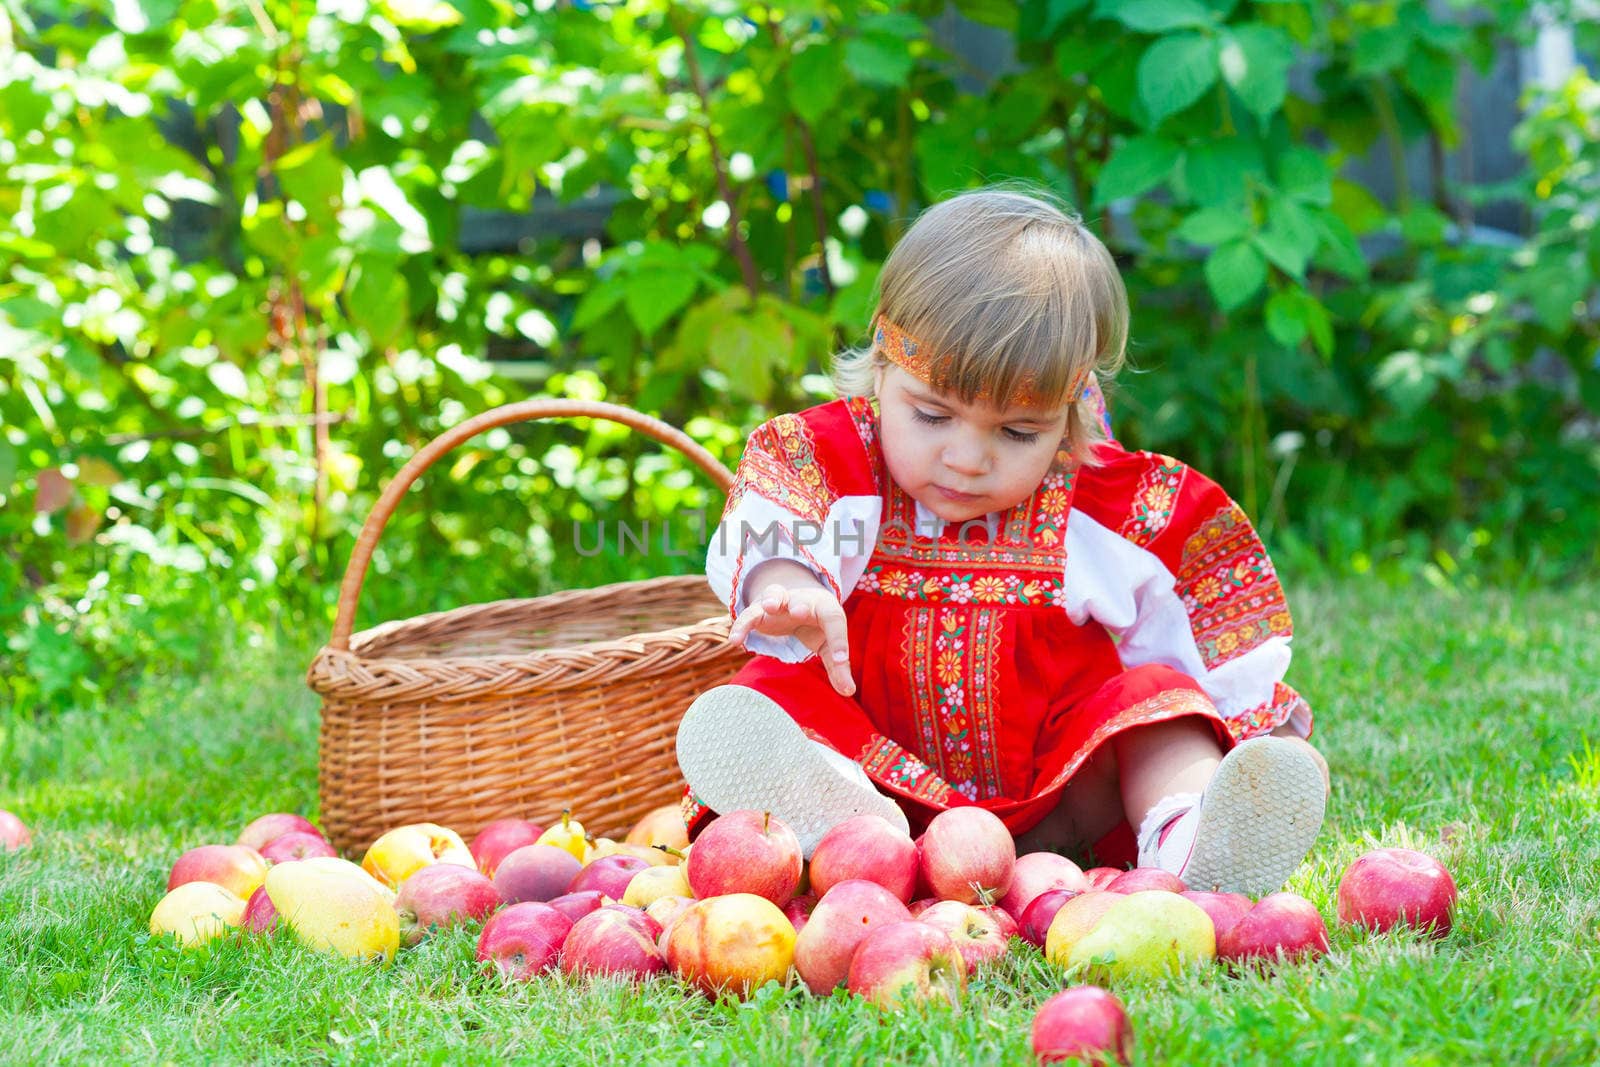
(1267, 717)
(890, 765)
(1153, 501)
(1229, 588)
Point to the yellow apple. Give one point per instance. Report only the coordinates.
(1141, 934)
(663, 826)
(197, 912)
(653, 883)
(403, 851)
(605, 846)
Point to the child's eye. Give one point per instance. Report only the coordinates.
(1022, 437)
(931, 420)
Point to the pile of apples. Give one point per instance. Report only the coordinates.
(894, 920)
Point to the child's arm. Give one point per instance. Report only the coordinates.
(791, 601)
(804, 500)
(1172, 567)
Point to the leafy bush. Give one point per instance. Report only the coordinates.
(235, 291)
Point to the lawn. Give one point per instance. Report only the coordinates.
(1466, 725)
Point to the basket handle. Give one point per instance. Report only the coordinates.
(356, 571)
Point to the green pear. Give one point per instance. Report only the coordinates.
(332, 905)
(1144, 934)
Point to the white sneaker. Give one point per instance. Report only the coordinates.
(738, 749)
(1247, 833)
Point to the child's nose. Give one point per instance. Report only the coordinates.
(965, 459)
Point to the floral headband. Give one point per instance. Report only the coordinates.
(906, 352)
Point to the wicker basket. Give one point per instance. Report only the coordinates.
(517, 707)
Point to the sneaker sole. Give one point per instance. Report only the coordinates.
(1260, 814)
(790, 776)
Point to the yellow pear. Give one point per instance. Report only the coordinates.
(567, 834)
(197, 912)
(334, 907)
(334, 863)
(1142, 934)
(653, 883)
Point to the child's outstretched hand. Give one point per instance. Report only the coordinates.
(815, 616)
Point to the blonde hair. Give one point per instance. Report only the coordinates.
(1003, 285)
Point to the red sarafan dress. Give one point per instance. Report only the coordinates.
(993, 658)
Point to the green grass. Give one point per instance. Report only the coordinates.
(1466, 726)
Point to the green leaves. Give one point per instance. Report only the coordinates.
(878, 59)
(1175, 72)
(815, 79)
(1235, 272)
(1157, 16)
(654, 295)
(1255, 61)
(1138, 165)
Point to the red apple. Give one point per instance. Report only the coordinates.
(798, 911)
(845, 915)
(237, 868)
(967, 854)
(268, 828)
(975, 934)
(442, 894)
(730, 944)
(867, 847)
(1036, 920)
(1225, 909)
(499, 839)
(535, 872)
(664, 909)
(259, 913)
(905, 963)
(917, 907)
(610, 941)
(576, 905)
(296, 845)
(1084, 1023)
(1285, 924)
(1141, 879)
(523, 939)
(1002, 920)
(1389, 886)
(746, 852)
(13, 834)
(1100, 877)
(1034, 874)
(609, 874)
(638, 916)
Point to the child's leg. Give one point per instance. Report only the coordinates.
(1239, 822)
(739, 747)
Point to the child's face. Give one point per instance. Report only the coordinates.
(962, 461)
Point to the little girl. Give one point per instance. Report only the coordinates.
(961, 590)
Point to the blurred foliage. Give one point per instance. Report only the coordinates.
(235, 293)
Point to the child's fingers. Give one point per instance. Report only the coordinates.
(774, 597)
(747, 620)
(835, 650)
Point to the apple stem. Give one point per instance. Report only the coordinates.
(669, 850)
(985, 896)
(566, 817)
(766, 822)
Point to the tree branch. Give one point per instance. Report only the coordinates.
(741, 250)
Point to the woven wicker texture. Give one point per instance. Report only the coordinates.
(515, 707)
